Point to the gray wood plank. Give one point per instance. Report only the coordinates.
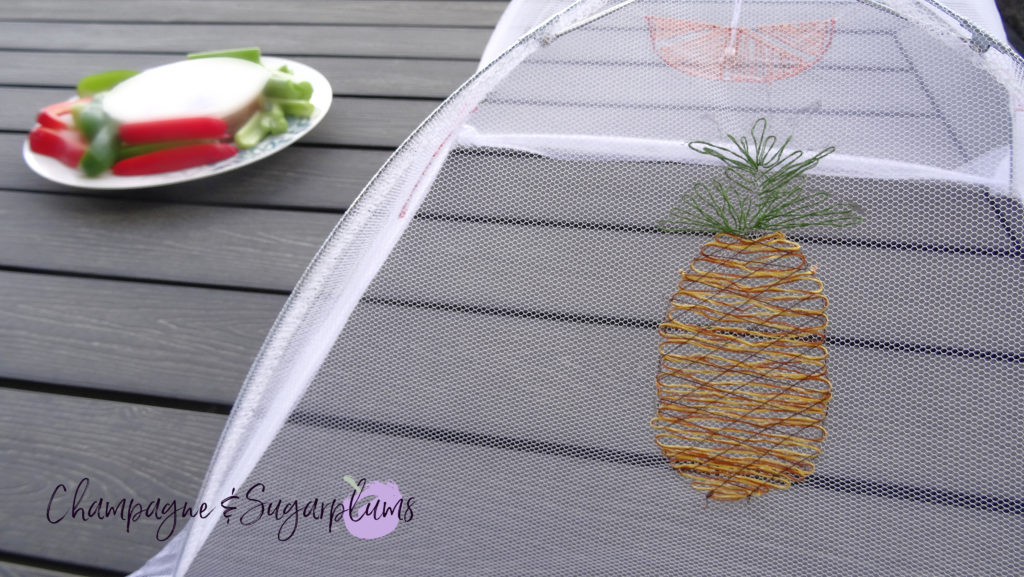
(378, 122)
(382, 12)
(299, 177)
(462, 262)
(126, 451)
(229, 247)
(639, 194)
(1012, 212)
(385, 77)
(18, 570)
(293, 40)
(142, 452)
(481, 503)
(908, 296)
(178, 342)
(608, 353)
(382, 122)
(594, 386)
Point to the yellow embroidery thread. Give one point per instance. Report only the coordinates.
(743, 387)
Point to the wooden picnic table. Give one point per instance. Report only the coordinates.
(128, 319)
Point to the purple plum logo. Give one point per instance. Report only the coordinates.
(375, 508)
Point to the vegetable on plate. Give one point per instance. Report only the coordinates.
(50, 116)
(65, 145)
(90, 117)
(151, 131)
(102, 152)
(251, 54)
(188, 113)
(103, 81)
(174, 159)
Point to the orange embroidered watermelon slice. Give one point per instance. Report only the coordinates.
(760, 54)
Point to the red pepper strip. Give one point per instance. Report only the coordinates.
(50, 116)
(172, 129)
(67, 146)
(174, 159)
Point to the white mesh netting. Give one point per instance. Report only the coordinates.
(481, 328)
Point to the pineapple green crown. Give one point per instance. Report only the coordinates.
(763, 191)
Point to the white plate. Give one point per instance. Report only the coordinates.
(52, 169)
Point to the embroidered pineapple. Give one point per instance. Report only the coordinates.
(743, 387)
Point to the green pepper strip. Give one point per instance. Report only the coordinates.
(102, 151)
(140, 149)
(91, 117)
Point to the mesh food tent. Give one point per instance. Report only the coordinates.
(484, 333)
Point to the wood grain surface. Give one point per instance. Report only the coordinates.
(381, 77)
(229, 247)
(301, 39)
(125, 450)
(171, 341)
(471, 13)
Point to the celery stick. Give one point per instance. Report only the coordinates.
(274, 119)
(299, 108)
(286, 88)
(252, 132)
(251, 54)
